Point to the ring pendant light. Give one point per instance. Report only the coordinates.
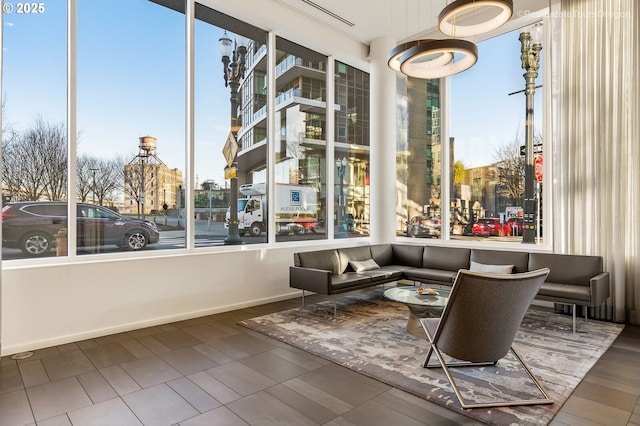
(425, 60)
(441, 58)
(466, 18)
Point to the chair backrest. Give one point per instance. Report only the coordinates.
(484, 312)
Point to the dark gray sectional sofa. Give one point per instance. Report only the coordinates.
(573, 280)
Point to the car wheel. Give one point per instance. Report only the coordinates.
(136, 240)
(256, 229)
(36, 244)
(299, 230)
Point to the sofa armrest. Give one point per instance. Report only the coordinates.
(599, 288)
(315, 280)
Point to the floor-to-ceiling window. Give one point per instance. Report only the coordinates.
(231, 129)
(488, 131)
(141, 178)
(419, 158)
(34, 129)
(301, 111)
(351, 152)
(131, 122)
(485, 168)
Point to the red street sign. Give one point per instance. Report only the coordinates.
(538, 168)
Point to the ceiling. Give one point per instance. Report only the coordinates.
(366, 20)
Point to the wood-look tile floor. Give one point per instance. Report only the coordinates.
(211, 371)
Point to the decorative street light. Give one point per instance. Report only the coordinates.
(233, 61)
(530, 40)
(341, 164)
(146, 148)
(210, 184)
(94, 185)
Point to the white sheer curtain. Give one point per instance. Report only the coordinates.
(596, 141)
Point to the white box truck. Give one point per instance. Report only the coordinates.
(296, 209)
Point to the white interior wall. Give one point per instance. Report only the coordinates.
(56, 304)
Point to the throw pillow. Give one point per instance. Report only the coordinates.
(363, 265)
(490, 269)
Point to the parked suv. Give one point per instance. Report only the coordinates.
(31, 226)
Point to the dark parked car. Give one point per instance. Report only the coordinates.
(489, 226)
(423, 226)
(31, 226)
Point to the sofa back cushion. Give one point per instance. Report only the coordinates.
(407, 255)
(519, 260)
(382, 254)
(321, 259)
(352, 253)
(447, 258)
(567, 268)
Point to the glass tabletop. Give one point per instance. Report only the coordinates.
(409, 296)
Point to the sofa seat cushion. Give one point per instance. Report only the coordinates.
(430, 275)
(349, 280)
(564, 292)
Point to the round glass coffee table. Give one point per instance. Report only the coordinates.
(420, 306)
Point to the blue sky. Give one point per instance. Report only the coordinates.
(483, 116)
(130, 80)
(131, 83)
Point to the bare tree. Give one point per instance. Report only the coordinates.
(35, 162)
(99, 178)
(84, 183)
(511, 168)
(133, 181)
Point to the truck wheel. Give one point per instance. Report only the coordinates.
(256, 229)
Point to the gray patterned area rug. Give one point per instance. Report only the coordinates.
(369, 336)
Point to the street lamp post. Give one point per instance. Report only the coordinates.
(341, 164)
(94, 185)
(210, 185)
(233, 61)
(530, 56)
(146, 148)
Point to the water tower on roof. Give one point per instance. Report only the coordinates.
(135, 181)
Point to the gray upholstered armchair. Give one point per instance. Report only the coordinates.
(479, 323)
